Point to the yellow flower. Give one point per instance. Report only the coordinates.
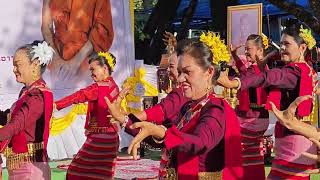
(109, 59)
(306, 35)
(218, 48)
(265, 41)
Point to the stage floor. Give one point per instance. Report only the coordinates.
(126, 168)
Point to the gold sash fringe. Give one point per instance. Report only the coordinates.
(95, 129)
(14, 160)
(307, 118)
(172, 175)
(310, 117)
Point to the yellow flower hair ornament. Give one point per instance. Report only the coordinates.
(306, 35)
(265, 41)
(109, 59)
(218, 48)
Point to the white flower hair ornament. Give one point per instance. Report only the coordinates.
(43, 52)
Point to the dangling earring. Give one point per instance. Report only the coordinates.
(34, 76)
(208, 89)
(301, 57)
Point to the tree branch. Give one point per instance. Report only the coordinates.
(186, 19)
(315, 6)
(300, 13)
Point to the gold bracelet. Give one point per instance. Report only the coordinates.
(159, 141)
(239, 82)
(126, 119)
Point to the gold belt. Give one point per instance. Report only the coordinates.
(14, 160)
(99, 130)
(210, 175)
(172, 175)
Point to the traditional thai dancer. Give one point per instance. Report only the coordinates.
(25, 135)
(288, 119)
(295, 79)
(204, 141)
(96, 158)
(171, 43)
(253, 117)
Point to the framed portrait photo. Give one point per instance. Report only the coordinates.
(243, 20)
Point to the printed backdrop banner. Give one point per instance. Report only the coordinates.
(21, 23)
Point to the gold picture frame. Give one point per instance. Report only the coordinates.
(243, 20)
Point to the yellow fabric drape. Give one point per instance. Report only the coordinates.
(315, 113)
(133, 82)
(58, 125)
(132, 14)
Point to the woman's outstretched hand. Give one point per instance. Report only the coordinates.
(115, 106)
(146, 129)
(286, 117)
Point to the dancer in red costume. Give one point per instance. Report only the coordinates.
(295, 79)
(204, 141)
(25, 135)
(96, 158)
(287, 118)
(253, 117)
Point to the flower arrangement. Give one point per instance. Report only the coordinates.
(217, 46)
(109, 59)
(306, 35)
(43, 53)
(265, 41)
